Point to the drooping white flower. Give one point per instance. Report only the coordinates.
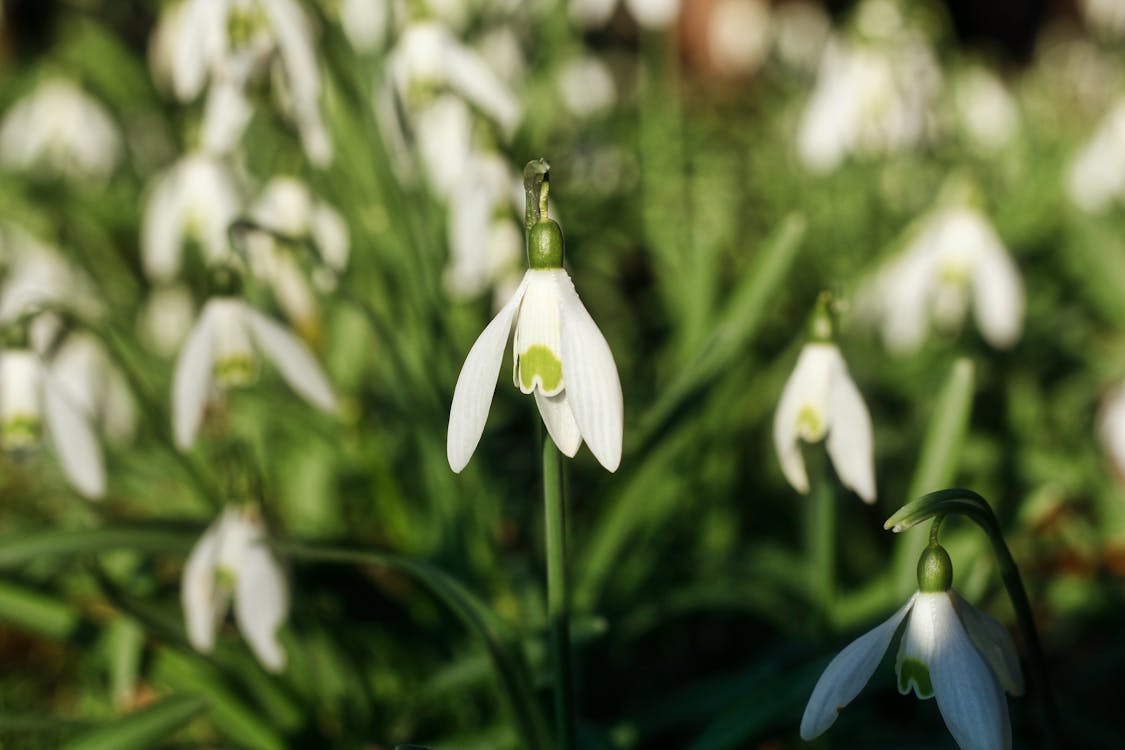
(559, 355)
(364, 23)
(1096, 177)
(871, 98)
(1111, 427)
(62, 129)
(31, 397)
(649, 14)
(950, 651)
(222, 350)
(820, 401)
(84, 370)
(231, 561)
(986, 109)
(194, 199)
(166, 318)
(228, 42)
(38, 275)
(955, 257)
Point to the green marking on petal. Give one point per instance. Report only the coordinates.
(540, 361)
(20, 432)
(915, 674)
(810, 426)
(235, 371)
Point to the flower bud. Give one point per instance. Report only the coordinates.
(935, 570)
(545, 245)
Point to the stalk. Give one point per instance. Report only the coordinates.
(558, 599)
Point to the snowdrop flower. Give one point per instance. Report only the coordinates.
(31, 397)
(649, 14)
(196, 199)
(1097, 175)
(62, 128)
(288, 207)
(231, 560)
(222, 350)
(83, 369)
(167, 316)
(987, 111)
(955, 254)
(559, 355)
(950, 651)
(228, 42)
(364, 23)
(37, 275)
(821, 401)
(1111, 427)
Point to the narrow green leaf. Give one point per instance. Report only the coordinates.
(22, 548)
(144, 728)
(37, 612)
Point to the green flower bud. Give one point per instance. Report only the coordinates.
(545, 245)
(935, 570)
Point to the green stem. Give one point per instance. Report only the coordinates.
(977, 509)
(821, 531)
(558, 600)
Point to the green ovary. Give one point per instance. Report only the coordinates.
(235, 371)
(917, 673)
(540, 361)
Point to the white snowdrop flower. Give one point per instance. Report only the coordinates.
(428, 58)
(586, 86)
(559, 355)
(738, 35)
(31, 397)
(196, 199)
(222, 350)
(1096, 177)
(869, 99)
(800, 30)
(364, 23)
(83, 369)
(166, 318)
(485, 240)
(231, 561)
(649, 14)
(37, 275)
(288, 207)
(1111, 427)
(229, 42)
(821, 401)
(1106, 17)
(955, 256)
(61, 128)
(986, 109)
(500, 48)
(443, 134)
(950, 650)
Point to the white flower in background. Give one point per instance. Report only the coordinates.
(950, 651)
(1096, 177)
(83, 369)
(649, 14)
(955, 256)
(1111, 427)
(229, 42)
(61, 128)
(485, 240)
(801, 30)
(559, 355)
(986, 109)
(31, 397)
(870, 98)
(196, 199)
(365, 23)
(166, 318)
(820, 400)
(738, 36)
(222, 350)
(1106, 17)
(231, 561)
(38, 275)
(586, 86)
(288, 207)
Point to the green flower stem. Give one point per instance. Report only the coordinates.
(820, 531)
(558, 600)
(976, 508)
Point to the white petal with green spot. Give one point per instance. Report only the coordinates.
(538, 345)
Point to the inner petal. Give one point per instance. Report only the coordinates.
(538, 341)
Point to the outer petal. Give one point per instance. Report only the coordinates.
(190, 54)
(226, 114)
(997, 296)
(162, 229)
(969, 697)
(293, 360)
(994, 643)
(472, 395)
(785, 436)
(261, 603)
(472, 78)
(559, 420)
(203, 601)
(192, 379)
(75, 442)
(810, 386)
(849, 436)
(846, 675)
(590, 378)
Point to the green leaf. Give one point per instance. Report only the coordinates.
(22, 548)
(144, 728)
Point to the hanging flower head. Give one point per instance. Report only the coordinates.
(559, 355)
(950, 651)
(1096, 178)
(820, 400)
(231, 561)
(222, 350)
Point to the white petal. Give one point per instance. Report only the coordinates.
(997, 296)
(653, 14)
(192, 378)
(969, 697)
(590, 378)
(162, 229)
(994, 643)
(293, 360)
(203, 601)
(846, 675)
(75, 442)
(559, 420)
(472, 395)
(261, 603)
(226, 114)
(808, 387)
(473, 79)
(919, 643)
(849, 436)
(198, 20)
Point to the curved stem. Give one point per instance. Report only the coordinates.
(976, 508)
(558, 600)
